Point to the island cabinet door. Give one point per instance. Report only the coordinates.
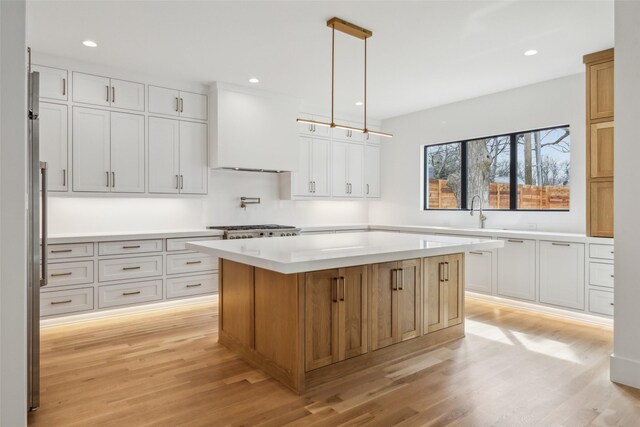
(409, 285)
(352, 312)
(321, 318)
(434, 317)
(383, 300)
(453, 289)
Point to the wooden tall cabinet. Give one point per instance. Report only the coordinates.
(396, 292)
(444, 292)
(600, 89)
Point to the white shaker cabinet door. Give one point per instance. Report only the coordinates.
(562, 274)
(355, 170)
(339, 169)
(193, 158)
(320, 171)
(164, 101)
(90, 89)
(127, 95)
(193, 106)
(127, 153)
(91, 151)
(372, 171)
(53, 82)
(302, 185)
(479, 271)
(164, 155)
(53, 144)
(516, 269)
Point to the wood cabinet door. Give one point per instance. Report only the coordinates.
(601, 90)
(383, 302)
(601, 153)
(91, 150)
(127, 153)
(562, 274)
(453, 289)
(194, 172)
(352, 298)
(53, 144)
(408, 310)
(321, 318)
(601, 209)
(433, 302)
(164, 155)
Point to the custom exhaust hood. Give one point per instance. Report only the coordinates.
(252, 130)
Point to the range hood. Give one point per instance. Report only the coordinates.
(252, 130)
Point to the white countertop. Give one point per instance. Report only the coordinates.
(130, 235)
(323, 251)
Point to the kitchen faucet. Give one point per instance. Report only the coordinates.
(482, 217)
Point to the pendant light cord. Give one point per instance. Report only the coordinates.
(333, 49)
(365, 85)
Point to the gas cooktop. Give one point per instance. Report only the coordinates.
(260, 230)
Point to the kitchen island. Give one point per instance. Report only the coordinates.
(310, 309)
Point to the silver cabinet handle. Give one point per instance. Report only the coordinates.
(58, 251)
(108, 180)
(113, 179)
(44, 229)
(346, 188)
(67, 301)
(367, 188)
(108, 92)
(181, 105)
(177, 104)
(131, 247)
(515, 241)
(66, 273)
(64, 177)
(476, 253)
(64, 86)
(177, 179)
(131, 268)
(560, 244)
(113, 95)
(130, 293)
(310, 188)
(611, 303)
(314, 186)
(181, 182)
(194, 285)
(194, 262)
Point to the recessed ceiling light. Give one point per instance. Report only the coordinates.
(90, 43)
(254, 80)
(359, 103)
(530, 52)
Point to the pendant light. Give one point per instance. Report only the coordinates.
(363, 34)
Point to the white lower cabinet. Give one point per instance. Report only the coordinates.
(129, 293)
(190, 263)
(601, 302)
(70, 273)
(66, 301)
(479, 271)
(517, 269)
(562, 274)
(178, 287)
(601, 274)
(129, 268)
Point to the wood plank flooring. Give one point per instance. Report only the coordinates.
(165, 368)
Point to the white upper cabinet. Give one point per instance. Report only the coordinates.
(108, 151)
(164, 155)
(301, 180)
(177, 156)
(127, 153)
(347, 164)
(562, 274)
(172, 102)
(53, 82)
(54, 143)
(371, 171)
(103, 91)
(193, 158)
(312, 177)
(91, 150)
(517, 269)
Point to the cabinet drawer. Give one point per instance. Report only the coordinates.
(129, 247)
(190, 263)
(70, 273)
(186, 286)
(62, 302)
(601, 274)
(601, 302)
(129, 268)
(179, 244)
(601, 251)
(70, 250)
(129, 293)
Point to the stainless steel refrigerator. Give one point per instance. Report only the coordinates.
(37, 236)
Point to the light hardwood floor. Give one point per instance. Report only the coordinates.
(165, 368)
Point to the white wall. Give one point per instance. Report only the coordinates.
(555, 102)
(625, 362)
(13, 232)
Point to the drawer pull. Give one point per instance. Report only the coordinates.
(560, 244)
(195, 285)
(67, 301)
(130, 293)
(131, 268)
(60, 251)
(69, 273)
(194, 262)
(610, 303)
(612, 276)
(475, 253)
(515, 241)
(131, 247)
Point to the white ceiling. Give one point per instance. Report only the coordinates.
(422, 53)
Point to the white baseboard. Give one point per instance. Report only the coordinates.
(541, 309)
(118, 312)
(625, 371)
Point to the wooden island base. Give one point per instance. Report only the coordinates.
(306, 329)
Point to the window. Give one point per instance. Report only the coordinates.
(520, 171)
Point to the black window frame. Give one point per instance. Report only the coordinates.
(513, 172)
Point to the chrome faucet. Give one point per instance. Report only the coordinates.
(482, 217)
